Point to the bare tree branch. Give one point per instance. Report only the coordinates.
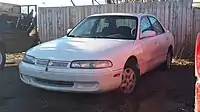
(117, 1)
(108, 1)
(73, 3)
(92, 2)
(97, 2)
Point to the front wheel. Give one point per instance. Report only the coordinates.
(130, 78)
(2, 58)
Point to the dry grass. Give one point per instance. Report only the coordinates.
(14, 58)
(182, 62)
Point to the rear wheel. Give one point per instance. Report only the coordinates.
(167, 64)
(130, 78)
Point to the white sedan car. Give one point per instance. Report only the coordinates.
(103, 52)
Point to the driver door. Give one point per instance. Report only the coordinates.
(149, 45)
(162, 37)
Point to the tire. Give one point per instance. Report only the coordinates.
(167, 64)
(130, 78)
(2, 58)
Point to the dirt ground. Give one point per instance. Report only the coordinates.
(159, 91)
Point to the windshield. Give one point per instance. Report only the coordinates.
(111, 27)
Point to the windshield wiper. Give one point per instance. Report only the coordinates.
(73, 36)
(112, 37)
(102, 37)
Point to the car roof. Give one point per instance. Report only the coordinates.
(121, 14)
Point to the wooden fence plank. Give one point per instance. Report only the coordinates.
(138, 7)
(154, 9)
(170, 17)
(167, 18)
(158, 8)
(162, 12)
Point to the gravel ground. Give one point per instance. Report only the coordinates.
(159, 91)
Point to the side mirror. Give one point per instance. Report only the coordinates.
(68, 30)
(147, 34)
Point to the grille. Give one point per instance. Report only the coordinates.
(58, 64)
(54, 83)
(52, 63)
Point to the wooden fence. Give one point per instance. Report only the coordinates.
(179, 17)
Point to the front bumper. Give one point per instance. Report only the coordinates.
(70, 80)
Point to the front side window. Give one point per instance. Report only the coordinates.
(156, 25)
(145, 25)
(111, 27)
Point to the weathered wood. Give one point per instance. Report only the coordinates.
(170, 24)
(167, 18)
(179, 17)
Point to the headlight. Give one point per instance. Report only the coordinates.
(91, 64)
(29, 59)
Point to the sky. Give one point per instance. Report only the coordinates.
(50, 3)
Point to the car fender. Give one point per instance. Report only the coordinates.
(119, 57)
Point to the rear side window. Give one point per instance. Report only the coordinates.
(156, 25)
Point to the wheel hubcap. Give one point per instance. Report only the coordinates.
(128, 80)
(169, 59)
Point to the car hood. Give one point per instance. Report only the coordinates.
(69, 49)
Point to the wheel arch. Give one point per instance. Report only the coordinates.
(171, 48)
(131, 59)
